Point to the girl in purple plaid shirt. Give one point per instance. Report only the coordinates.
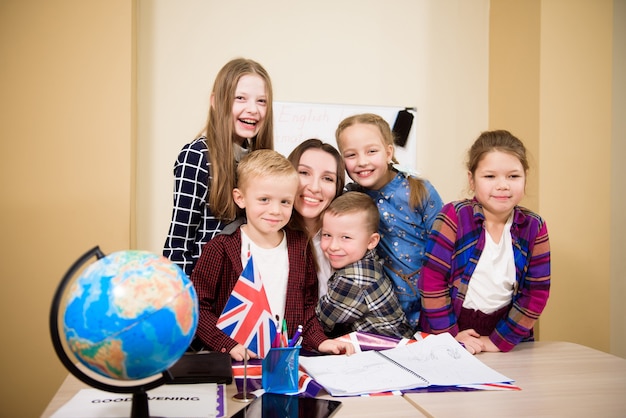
(486, 278)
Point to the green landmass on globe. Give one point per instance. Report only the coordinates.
(130, 315)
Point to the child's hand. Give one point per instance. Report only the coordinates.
(488, 345)
(336, 347)
(239, 351)
(471, 340)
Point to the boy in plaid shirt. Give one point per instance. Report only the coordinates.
(360, 296)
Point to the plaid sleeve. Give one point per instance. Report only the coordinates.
(183, 242)
(343, 304)
(437, 310)
(214, 278)
(532, 261)
(302, 291)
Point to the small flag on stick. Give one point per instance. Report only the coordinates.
(247, 318)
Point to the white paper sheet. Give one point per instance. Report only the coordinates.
(436, 360)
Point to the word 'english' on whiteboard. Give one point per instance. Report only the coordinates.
(295, 122)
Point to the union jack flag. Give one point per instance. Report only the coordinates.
(247, 318)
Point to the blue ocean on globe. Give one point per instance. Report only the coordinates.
(130, 315)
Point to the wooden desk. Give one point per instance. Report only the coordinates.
(557, 379)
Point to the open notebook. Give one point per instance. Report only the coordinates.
(438, 360)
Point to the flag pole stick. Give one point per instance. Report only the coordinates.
(244, 396)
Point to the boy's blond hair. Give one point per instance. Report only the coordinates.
(356, 202)
(264, 163)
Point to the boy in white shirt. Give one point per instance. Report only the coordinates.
(266, 188)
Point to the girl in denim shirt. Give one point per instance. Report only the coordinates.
(407, 204)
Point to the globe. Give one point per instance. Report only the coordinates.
(130, 315)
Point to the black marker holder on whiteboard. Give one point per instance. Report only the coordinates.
(402, 127)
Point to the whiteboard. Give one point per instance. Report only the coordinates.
(295, 121)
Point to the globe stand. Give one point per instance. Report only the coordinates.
(139, 407)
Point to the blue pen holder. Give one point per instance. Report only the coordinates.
(280, 370)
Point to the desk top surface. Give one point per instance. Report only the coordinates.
(557, 378)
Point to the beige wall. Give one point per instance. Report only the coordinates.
(575, 111)
(65, 139)
(618, 184)
(67, 132)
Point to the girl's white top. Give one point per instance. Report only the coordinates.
(491, 286)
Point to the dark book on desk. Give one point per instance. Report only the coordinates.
(203, 367)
